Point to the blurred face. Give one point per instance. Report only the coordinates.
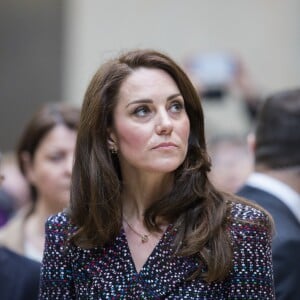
(231, 165)
(50, 169)
(151, 126)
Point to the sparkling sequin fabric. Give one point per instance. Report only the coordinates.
(109, 272)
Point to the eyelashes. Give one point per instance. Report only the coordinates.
(144, 110)
(177, 106)
(141, 111)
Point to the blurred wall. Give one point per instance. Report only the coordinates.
(50, 49)
(265, 33)
(30, 62)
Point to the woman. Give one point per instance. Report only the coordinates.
(45, 155)
(144, 220)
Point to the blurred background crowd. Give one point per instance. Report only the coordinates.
(235, 52)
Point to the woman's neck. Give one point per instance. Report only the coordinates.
(36, 220)
(140, 192)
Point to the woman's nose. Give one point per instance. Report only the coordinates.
(164, 124)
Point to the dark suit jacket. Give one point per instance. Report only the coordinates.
(286, 243)
(19, 276)
(6, 206)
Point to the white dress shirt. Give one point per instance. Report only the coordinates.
(277, 188)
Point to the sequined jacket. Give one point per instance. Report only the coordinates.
(70, 272)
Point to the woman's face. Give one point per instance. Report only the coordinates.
(151, 127)
(50, 168)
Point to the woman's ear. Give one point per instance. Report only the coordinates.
(112, 141)
(28, 166)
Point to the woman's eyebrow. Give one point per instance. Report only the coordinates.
(146, 100)
(174, 96)
(139, 101)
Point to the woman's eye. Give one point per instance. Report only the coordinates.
(176, 106)
(56, 157)
(141, 111)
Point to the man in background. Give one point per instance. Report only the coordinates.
(232, 161)
(275, 184)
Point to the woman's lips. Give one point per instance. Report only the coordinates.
(165, 146)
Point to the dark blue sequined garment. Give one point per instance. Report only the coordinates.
(109, 272)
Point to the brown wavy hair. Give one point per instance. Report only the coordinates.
(197, 210)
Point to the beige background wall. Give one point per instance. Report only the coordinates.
(265, 33)
(30, 62)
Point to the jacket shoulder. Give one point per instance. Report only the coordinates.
(246, 212)
(59, 225)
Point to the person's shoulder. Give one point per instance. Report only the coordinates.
(59, 218)
(247, 212)
(60, 222)
(244, 211)
(18, 260)
(25, 270)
